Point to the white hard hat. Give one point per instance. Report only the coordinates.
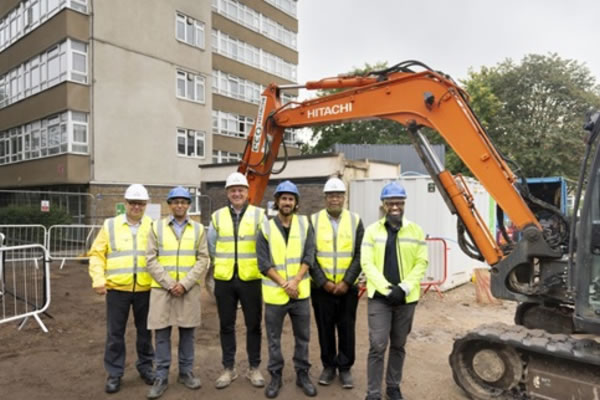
(136, 192)
(236, 179)
(334, 185)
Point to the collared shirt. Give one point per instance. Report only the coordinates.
(178, 227)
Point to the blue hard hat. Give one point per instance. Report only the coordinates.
(286, 187)
(179, 192)
(393, 189)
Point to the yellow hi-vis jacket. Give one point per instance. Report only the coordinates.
(334, 252)
(286, 259)
(176, 256)
(118, 258)
(246, 244)
(411, 250)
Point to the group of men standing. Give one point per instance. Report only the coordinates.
(281, 262)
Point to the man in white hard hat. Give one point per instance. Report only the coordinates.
(338, 237)
(232, 245)
(118, 271)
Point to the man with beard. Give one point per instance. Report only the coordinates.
(334, 296)
(177, 257)
(394, 260)
(285, 249)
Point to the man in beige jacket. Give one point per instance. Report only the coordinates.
(177, 257)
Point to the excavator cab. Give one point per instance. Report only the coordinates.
(586, 273)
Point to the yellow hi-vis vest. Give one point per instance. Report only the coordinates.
(334, 252)
(177, 256)
(286, 259)
(246, 244)
(126, 256)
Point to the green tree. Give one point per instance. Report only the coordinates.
(534, 111)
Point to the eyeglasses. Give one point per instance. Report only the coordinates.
(394, 204)
(134, 203)
(335, 195)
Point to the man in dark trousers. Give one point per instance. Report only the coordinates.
(285, 250)
(232, 245)
(334, 296)
(394, 260)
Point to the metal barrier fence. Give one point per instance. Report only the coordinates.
(70, 242)
(24, 283)
(18, 235)
(47, 207)
(437, 271)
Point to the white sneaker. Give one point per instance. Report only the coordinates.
(228, 376)
(255, 377)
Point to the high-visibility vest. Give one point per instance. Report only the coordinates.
(334, 251)
(224, 259)
(126, 256)
(411, 250)
(177, 256)
(286, 259)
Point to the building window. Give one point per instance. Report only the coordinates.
(255, 21)
(189, 30)
(231, 124)
(66, 132)
(195, 205)
(236, 87)
(190, 86)
(287, 6)
(190, 143)
(62, 62)
(30, 14)
(220, 157)
(245, 53)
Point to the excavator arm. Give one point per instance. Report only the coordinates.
(413, 99)
(496, 361)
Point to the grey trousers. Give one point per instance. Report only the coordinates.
(387, 324)
(163, 351)
(299, 311)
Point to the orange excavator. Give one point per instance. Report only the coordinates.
(553, 271)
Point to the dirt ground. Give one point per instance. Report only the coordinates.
(66, 363)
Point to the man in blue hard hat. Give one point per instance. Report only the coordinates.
(177, 257)
(285, 248)
(394, 260)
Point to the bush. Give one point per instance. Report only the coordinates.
(26, 215)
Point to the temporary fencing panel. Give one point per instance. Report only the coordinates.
(437, 271)
(70, 242)
(18, 235)
(24, 283)
(47, 207)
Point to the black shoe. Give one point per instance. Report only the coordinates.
(113, 384)
(272, 389)
(189, 380)
(393, 393)
(371, 397)
(303, 381)
(327, 376)
(346, 379)
(158, 388)
(147, 377)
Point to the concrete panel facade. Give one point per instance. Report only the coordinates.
(66, 23)
(274, 13)
(60, 169)
(65, 96)
(136, 109)
(253, 38)
(7, 5)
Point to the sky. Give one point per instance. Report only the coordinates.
(335, 36)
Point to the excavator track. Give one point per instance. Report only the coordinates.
(502, 362)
